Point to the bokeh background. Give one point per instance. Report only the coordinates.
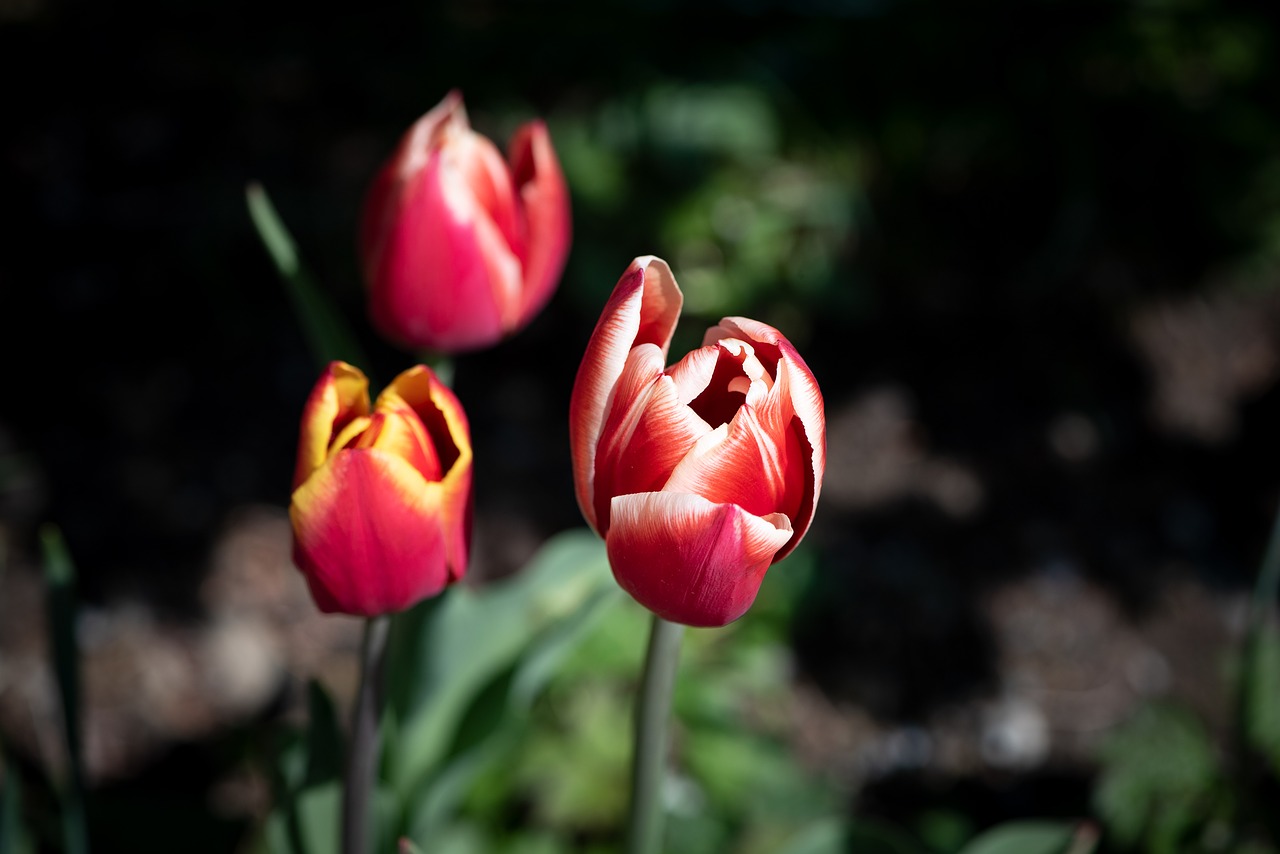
(1030, 250)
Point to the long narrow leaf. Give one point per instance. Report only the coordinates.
(13, 837)
(327, 334)
(60, 577)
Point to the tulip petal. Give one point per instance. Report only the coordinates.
(544, 199)
(748, 463)
(643, 309)
(383, 198)
(397, 430)
(647, 432)
(339, 396)
(445, 276)
(369, 535)
(445, 421)
(690, 560)
(801, 389)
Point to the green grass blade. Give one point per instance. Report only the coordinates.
(13, 838)
(60, 577)
(327, 335)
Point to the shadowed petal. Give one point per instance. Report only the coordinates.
(745, 463)
(544, 200)
(689, 560)
(796, 381)
(647, 432)
(445, 421)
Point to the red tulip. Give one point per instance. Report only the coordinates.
(702, 475)
(459, 247)
(381, 505)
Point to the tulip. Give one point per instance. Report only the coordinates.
(701, 475)
(460, 248)
(381, 506)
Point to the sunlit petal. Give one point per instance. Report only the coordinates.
(643, 309)
(341, 395)
(368, 535)
(690, 560)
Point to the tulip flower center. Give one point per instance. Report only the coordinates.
(738, 371)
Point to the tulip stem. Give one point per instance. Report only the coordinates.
(362, 759)
(653, 712)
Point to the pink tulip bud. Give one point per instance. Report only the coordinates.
(461, 248)
(381, 507)
(701, 475)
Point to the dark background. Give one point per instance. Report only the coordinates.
(1046, 220)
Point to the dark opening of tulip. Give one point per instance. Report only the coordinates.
(462, 248)
(381, 507)
(700, 475)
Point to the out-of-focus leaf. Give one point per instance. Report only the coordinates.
(1158, 779)
(325, 750)
(1263, 714)
(310, 825)
(821, 837)
(469, 671)
(13, 836)
(308, 770)
(873, 837)
(460, 839)
(327, 334)
(60, 577)
(1024, 837)
(943, 830)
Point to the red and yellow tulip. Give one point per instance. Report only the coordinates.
(701, 475)
(460, 247)
(381, 506)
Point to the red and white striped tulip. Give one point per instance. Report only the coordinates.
(701, 475)
(381, 506)
(461, 248)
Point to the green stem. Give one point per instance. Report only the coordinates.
(362, 761)
(653, 711)
(441, 364)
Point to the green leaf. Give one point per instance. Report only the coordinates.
(326, 332)
(60, 577)
(466, 669)
(867, 836)
(1159, 778)
(325, 748)
(1024, 837)
(310, 825)
(1263, 713)
(307, 766)
(13, 836)
(820, 837)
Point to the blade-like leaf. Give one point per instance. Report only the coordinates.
(1024, 837)
(327, 334)
(325, 744)
(487, 734)
(60, 578)
(473, 636)
(13, 836)
(468, 672)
